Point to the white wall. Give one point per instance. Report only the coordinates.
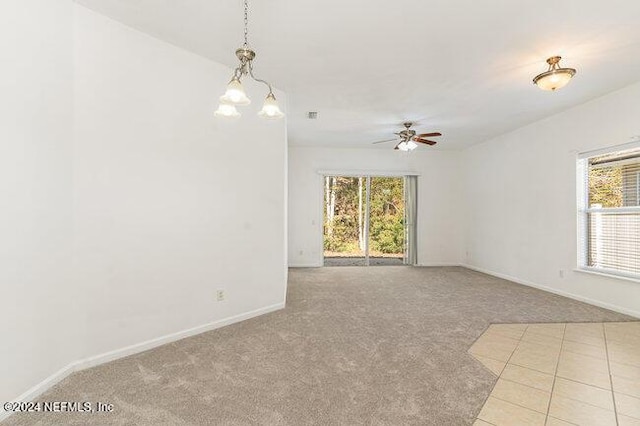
(521, 193)
(36, 311)
(125, 204)
(170, 202)
(439, 198)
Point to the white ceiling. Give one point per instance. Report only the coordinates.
(462, 67)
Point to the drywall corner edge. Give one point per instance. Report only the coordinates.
(579, 298)
(96, 360)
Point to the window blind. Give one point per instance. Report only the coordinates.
(610, 212)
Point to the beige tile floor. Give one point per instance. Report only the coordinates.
(561, 374)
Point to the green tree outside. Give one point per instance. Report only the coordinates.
(344, 211)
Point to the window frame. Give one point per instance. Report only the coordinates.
(583, 211)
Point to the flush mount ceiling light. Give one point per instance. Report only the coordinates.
(555, 77)
(235, 94)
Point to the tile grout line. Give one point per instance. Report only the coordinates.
(500, 335)
(581, 401)
(522, 384)
(485, 332)
(505, 366)
(516, 404)
(566, 378)
(485, 356)
(479, 336)
(564, 396)
(555, 372)
(571, 423)
(581, 354)
(519, 406)
(613, 394)
(584, 383)
(583, 343)
(532, 369)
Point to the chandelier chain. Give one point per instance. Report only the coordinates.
(246, 22)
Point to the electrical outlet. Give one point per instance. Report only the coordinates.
(561, 273)
(220, 295)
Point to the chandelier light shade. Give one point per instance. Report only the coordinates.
(235, 94)
(226, 110)
(555, 77)
(270, 109)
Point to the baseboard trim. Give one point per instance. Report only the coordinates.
(573, 296)
(169, 338)
(93, 361)
(316, 265)
(40, 388)
(436, 264)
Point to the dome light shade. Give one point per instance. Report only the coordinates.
(270, 109)
(402, 146)
(226, 110)
(555, 77)
(235, 93)
(411, 145)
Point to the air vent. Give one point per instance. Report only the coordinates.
(312, 115)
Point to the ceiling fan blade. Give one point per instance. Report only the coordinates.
(426, 135)
(388, 140)
(396, 147)
(425, 141)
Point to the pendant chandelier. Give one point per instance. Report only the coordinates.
(235, 94)
(555, 77)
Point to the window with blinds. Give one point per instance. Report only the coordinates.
(609, 209)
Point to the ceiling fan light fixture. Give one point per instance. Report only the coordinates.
(408, 139)
(227, 111)
(235, 93)
(555, 77)
(270, 109)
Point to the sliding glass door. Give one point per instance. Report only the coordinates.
(345, 220)
(364, 221)
(386, 221)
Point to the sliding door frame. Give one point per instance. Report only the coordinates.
(367, 219)
(367, 174)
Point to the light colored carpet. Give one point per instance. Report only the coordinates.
(354, 346)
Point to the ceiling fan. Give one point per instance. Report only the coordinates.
(408, 138)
